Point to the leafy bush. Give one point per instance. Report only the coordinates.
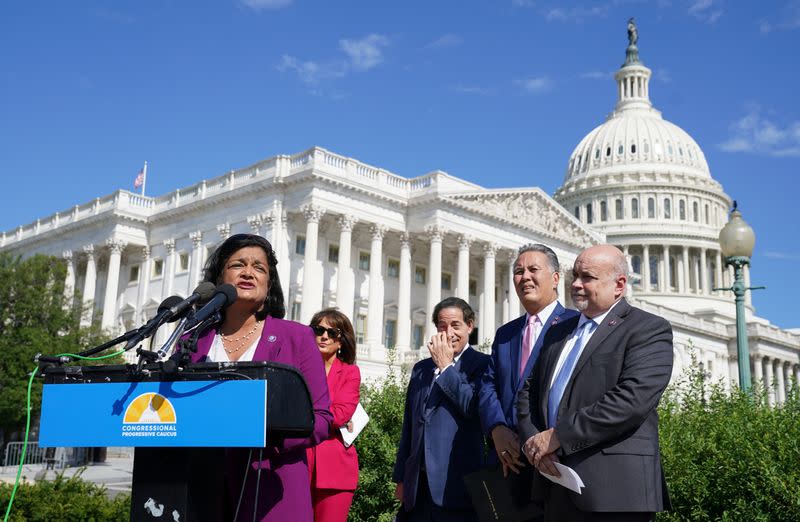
(384, 401)
(64, 499)
(730, 456)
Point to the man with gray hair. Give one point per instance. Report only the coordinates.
(515, 349)
(590, 402)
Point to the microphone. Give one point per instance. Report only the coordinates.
(202, 293)
(224, 296)
(164, 314)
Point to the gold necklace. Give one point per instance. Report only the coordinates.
(241, 340)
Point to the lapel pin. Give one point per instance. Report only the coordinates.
(612, 322)
(271, 339)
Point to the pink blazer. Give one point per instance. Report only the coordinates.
(334, 466)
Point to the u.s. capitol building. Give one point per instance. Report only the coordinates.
(385, 248)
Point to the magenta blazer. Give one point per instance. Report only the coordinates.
(283, 493)
(336, 467)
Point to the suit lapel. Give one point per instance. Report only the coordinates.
(464, 364)
(553, 320)
(514, 347)
(550, 356)
(612, 321)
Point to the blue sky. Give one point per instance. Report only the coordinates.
(496, 92)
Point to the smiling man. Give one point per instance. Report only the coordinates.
(441, 439)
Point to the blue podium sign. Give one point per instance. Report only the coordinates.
(225, 413)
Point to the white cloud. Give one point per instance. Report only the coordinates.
(446, 40)
(576, 14)
(472, 89)
(535, 84)
(258, 5)
(311, 72)
(757, 134)
(596, 75)
(365, 53)
(706, 10)
(789, 18)
(663, 76)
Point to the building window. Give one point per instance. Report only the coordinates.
(608, 151)
(134, 274)
(646, 147)
(667, 208)
(620, 149)
(589, 217)
(419, 275)
(603, 211)
(636, 264)
(597, 154)
(653, 271)
(707, 214)
(635, 208)
(657, 148)
(393, 268)
(183, 262)
(633, 148)
(333, 253)
(363, 260)
(651, 208)
(578, 212)
(695, 212)
(300, 245)
(158, 267)
(618, 209)
(419, 332)
(682, 210)
(389, 337)
(361, 329)
(447, 281)
(295, 313)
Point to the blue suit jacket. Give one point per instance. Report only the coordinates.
(502, 382)
(441, 429)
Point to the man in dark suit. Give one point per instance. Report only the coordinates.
(590, 402)
(441, 439)
(516, 347)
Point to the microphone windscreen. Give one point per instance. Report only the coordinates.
(169, 302)
(230, 293)
(206, 291)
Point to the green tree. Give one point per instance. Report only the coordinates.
(35, 317)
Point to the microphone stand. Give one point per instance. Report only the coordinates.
(184, 348)
(64, 359)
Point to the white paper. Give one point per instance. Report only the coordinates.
(569, 479)
(359, 420)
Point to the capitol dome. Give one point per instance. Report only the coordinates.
(644, 182)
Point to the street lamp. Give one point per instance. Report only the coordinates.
(736, 239)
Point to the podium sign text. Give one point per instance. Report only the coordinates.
(225, 413)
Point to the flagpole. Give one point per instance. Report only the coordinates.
(144, 177)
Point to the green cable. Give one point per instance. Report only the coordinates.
(28, 421)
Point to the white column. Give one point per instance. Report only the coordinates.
(196, 262)
(718, 270)
(488, 309)
(69, 279)
(404, 295)
(169, 268)
(758, 369)
(255, 223)
(696, 271)
(144, 284)
(645, 268)
(513, 298)
(780, 392)
(345, 277)
(667, 271)
(748, 296)
(89, 285)
(312, 291)
(770, 379)
(462, 280)
(435, 235)
(375, 304)
(109, 319)
(797, 375)
(703, 286)
(683, 273)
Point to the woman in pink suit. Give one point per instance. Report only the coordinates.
(333, 468)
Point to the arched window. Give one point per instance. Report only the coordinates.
(682, 209)
(633, 148)
(608, 151)
(651, 208)
(618, 209)
(578, 212)
(654, 271)
(667, 208)
(597, 153)
(695, 212)
(603, 211)
(636, 264)
(646, 148)
(669, 148)
(620, 149)
(589, 216)
(707, 215)
(635, 208)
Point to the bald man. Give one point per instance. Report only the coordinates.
(590, 401)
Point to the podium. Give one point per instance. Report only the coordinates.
(180, 420)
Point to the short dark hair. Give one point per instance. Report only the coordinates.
(212, 272)
(347, 340)
(454, 302)
(552, 258)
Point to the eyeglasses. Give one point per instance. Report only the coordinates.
(333, 333)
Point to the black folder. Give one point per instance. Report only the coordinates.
(498, 498)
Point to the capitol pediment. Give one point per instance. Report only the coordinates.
(530, 209)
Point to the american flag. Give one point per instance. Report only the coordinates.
(139, 181)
